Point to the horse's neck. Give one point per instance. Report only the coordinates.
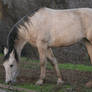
(19, 46)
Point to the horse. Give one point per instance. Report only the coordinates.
(45, 28)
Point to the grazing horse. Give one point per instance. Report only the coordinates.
(45, 28)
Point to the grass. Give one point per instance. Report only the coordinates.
(1, 54)
(79, 67)
(56, 88)
(68, 66)
(53, 87)
(44, 88)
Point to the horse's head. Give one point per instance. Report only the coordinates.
(11, 66)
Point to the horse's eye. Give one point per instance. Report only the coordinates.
(11, 66)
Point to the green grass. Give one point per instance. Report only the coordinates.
(53, 87)
(56, 88)
(69, 66)
(44, 88)
(79, 67)
(1, 54)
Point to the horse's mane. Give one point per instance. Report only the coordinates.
(13, 34)
(26, 18)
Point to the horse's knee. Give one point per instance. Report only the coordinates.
(42, 63)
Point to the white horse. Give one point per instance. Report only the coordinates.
(45, 28)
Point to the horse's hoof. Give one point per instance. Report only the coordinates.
(39, 82)
(60, 82)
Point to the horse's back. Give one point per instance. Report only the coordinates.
(70, 25)
(66, 10)
(63, 27)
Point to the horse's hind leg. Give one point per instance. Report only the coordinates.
(42, 48)
(54, 62)
(89, 48)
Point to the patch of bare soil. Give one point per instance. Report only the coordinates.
(31, 75)
(69, 76)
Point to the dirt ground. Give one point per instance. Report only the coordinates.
(32, 73)
(72, 77)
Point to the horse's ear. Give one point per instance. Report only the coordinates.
(12, 54)
(5, 51)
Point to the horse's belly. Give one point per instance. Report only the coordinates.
(66, 41)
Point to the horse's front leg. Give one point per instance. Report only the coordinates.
(42, 48)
